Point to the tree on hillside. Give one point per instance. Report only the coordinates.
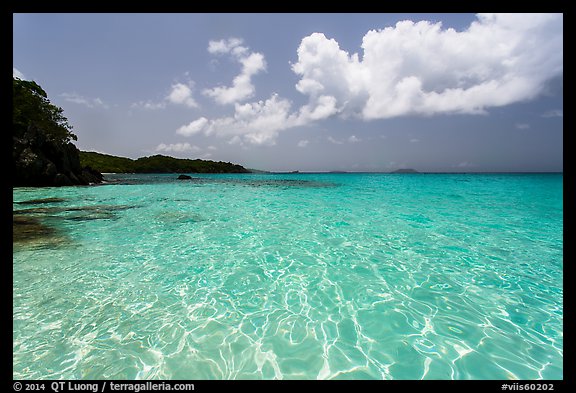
(42, 151)
(31, 107)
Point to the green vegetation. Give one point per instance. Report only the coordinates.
(42, 151)
(155, 164)
(43, 154)
(107, 163)
(31, 107)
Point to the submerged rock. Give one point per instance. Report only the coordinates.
(184, 177)
(33, 233)
(40, 201)
(25, 229)
(39, 226)
(87, 212)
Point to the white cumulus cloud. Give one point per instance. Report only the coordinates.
(256, 123)
(354, 139)
(193, 127)
(411, 68)
(182, 94)
(242, 86)
(322, 108)
(303, 143)
(227, 46)
(421, 68)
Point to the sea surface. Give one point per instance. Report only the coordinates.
(295, 276)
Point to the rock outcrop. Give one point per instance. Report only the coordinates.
(41, 161)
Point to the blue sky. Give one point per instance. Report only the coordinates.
(308, 92)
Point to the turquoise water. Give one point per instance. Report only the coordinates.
(307, 276)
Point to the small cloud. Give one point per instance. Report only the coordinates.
(17, 74)
(522, 126)
(303, 143)
(193, 127)
(148, 105)
(182, 94)
(414, 140)
(211, 147)
(554, 113)
(335, 141)
(226, 46)
(465, 164)
(87, 102)
(236, 140)
(354, 139)
(206, 155)
(242, 86)
(213, 64)
(256, 123)
(177, 147)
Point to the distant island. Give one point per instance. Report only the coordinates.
(405, 170)
(106, 163)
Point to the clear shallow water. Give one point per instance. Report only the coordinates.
(352, 276)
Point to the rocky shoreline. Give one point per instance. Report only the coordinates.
(40, 161)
